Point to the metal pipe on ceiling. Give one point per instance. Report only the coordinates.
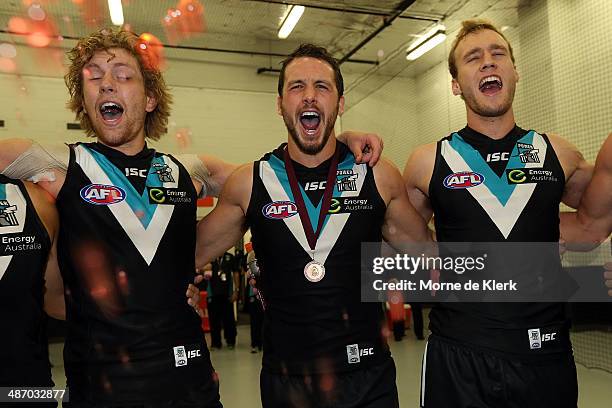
(387, 21)
(348, 10)
(209, 49)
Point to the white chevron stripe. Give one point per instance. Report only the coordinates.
(504, 217)
(335, 223)
(4, 263)
(146, 240)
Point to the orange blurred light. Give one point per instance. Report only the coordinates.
(192, 16)
(18, 25)
(7, 65)
(183, 138)
(91, 12)
(122, 282)
(151, 50)
(38, 39)
(183, 21)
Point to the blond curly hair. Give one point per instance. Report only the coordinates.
(156, 121)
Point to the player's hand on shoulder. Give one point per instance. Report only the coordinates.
(366, 147)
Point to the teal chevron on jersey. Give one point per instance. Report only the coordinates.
(143, 222)
(498, 185)
(139, 203)
(503, 202)
(313, 211)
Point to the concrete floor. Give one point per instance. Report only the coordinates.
(239, 374)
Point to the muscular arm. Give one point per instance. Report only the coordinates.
(219, 173)
(10, 149)
(54, 304)
(208, 173)
(417, 175)
(403, 223)
(225, 225)
(592, 223)
(578, 171)
(27, 160)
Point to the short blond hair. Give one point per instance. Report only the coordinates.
(469, 27)
(156, 121)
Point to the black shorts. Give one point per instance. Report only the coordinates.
(204, 394)
(372, 387)
(455, 375)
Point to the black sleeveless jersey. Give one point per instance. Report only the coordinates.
(486, 190)
(316, 326)
(24, 247)
(126, 251)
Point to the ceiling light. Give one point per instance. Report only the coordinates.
(426, 42)
(116, 12)
(293, 16)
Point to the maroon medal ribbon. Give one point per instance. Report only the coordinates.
(312, 236)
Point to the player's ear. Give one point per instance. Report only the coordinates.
(279, 108)
(455, 87)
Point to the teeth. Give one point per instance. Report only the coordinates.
(310, 115)
(110, 105)
(491, 78)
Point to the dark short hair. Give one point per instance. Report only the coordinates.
(312, 51)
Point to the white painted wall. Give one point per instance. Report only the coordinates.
(563, 51)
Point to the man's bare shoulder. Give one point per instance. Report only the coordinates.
(44, 204)
(604, 160)
(425, 149)
(242, 172)
(386, 171)
(238, 187)
(560, 143)
(11, 149)
(420, 164)
(388, 178)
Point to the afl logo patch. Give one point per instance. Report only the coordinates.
(101, 194)
(278, 210)
(464, 179)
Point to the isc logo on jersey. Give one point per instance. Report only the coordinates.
(279, 209)
(464, 179)
(101, 194)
